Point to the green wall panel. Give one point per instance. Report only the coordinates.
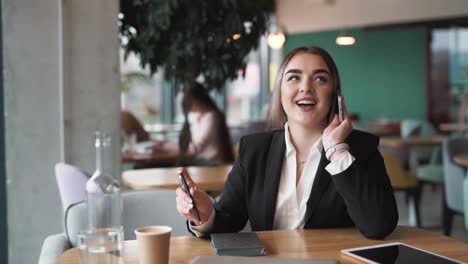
(383, 74)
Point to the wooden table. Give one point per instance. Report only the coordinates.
(156, 158)
(410, 143)
(209, 178)
(160, 156)
(461, 159)
(163, 128)
(382, 128)
(454, 127)
(318, 243)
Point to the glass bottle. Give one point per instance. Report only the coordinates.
(105, 233)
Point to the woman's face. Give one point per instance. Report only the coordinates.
(306, 91)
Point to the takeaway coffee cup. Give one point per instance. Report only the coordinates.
(153, 244)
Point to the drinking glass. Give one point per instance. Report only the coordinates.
(100, 246)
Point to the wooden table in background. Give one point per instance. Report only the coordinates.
(312, 243)
(410, 143)
(209, 178)
(454, 127)
(461, 159)
(160, 156)
(163, 128)
(382, 128)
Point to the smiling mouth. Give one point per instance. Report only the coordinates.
(306, 103)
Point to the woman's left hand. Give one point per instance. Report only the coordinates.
(336, 132)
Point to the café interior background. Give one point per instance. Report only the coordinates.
(56, 53)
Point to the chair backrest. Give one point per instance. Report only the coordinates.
(411, 127)
(71, 182)
(399, 178)
(140, 208)
(453, 174)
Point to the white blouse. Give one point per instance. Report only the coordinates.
(291, 203)
(206, 137)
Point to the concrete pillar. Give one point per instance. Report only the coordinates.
(91, 95)
(51, 111)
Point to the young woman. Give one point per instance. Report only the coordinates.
(210, 142)
(315, 172)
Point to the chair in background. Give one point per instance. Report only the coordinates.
(410, 128)
(415, 128)
(141, 208)
(431, 172)
(71, 182)
(454, 176)
(465, 199)
(403, 180)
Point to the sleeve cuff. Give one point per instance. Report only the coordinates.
(341, 163)
(200, 230)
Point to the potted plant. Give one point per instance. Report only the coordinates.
(206, 40)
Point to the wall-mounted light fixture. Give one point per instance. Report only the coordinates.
(345, 39)
(276, 40)
(276, 36)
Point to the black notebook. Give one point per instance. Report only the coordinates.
(237, 244)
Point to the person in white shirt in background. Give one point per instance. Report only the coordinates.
(210, 139)
(315, 172)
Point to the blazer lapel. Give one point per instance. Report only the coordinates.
(322, 179)
(272, 177)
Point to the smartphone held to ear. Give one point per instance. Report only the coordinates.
(340, 109)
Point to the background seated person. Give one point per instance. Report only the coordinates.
(210, 138)
(314, 172)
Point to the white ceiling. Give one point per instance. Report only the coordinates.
(318, 15)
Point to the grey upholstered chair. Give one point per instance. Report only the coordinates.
(71, 182)
(454, 176)
(141, 208)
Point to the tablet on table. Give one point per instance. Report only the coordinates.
(396, 253)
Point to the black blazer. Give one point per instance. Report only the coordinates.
(360, 196)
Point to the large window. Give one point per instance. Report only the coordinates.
(140, 92)
(242, 94)
(154, 101)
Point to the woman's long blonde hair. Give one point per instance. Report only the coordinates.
(277, 115)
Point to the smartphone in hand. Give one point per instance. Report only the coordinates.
(187, 191)
(340, 108)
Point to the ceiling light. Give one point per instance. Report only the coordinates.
(345, 39)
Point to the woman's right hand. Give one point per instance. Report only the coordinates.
(201, 200)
